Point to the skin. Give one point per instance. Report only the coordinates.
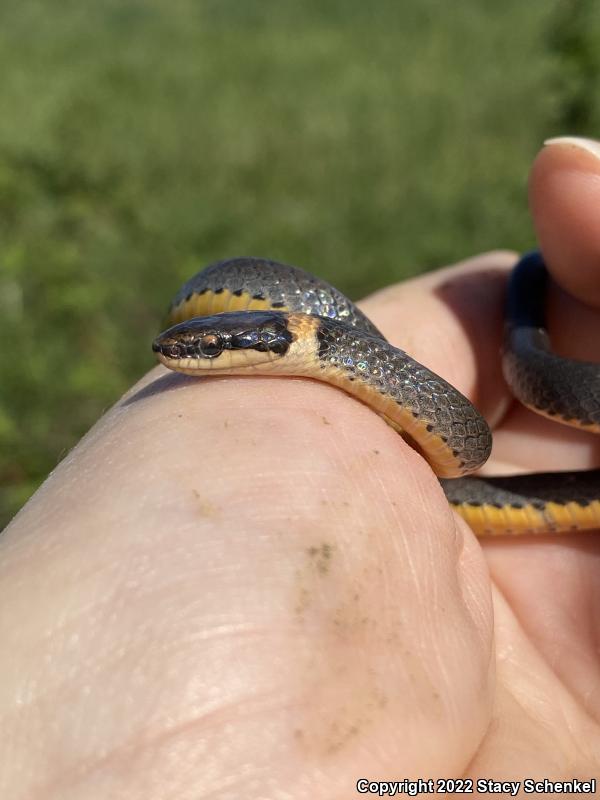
(251, 587)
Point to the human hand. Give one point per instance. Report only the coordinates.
(240, 587)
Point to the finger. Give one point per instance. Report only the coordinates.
(525, 441)
(542, 729)
(554, 591)
(565, 198)
(268, 582)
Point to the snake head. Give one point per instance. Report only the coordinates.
(231, 340)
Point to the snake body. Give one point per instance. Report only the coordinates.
(255, 316)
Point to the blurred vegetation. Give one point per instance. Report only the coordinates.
(141, 140)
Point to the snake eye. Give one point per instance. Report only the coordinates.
(211, 345)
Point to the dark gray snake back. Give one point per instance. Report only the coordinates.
(446, 412)
(283, 285)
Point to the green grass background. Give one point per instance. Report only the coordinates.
(141, 140)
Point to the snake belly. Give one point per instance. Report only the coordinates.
(256, 316)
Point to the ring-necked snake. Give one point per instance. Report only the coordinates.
(250, 316)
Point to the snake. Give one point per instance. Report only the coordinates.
(254, 316)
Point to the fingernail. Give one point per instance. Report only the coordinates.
(589, 145)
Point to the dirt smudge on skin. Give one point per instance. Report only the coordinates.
(204, 507)
(320, 556)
